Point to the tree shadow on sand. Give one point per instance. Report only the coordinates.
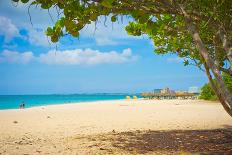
(217, 141)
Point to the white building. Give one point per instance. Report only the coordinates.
(194, 90)
(167, 91)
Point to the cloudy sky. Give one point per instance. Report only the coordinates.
(105, 60)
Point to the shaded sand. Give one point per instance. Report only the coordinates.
(118, 127)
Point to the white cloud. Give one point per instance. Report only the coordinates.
(19, 15)
(37, 37)
(8, 29)
(86, 57)
(16, 57)
(175, 60)
(104, 41)
(108, 33)
(70, 57)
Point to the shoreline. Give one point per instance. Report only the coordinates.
(114, 100)
(66, 103)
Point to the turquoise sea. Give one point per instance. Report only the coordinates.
(13, 101)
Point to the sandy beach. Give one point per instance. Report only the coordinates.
(117, 127)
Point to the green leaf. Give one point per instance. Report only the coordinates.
(54, 38)
(107, 3)
(60, 5)
(93, 17)
(34, 3)
(60, 23)
(49, 31)
(75, 33)
(113, 18)
(186, 62)
(24, 1)
(69, 24)
(45, 5)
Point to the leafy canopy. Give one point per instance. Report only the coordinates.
(207, 93)
(161, 20)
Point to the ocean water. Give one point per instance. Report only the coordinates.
(13, 101)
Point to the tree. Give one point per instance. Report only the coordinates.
(207, 93)
(228, 81)
(199, 31)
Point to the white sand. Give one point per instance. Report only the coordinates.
(46, 129)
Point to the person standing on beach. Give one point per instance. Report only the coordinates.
(22, 105)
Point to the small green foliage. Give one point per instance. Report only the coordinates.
(134, 29)
(93, 17)
(107, 3)
(24, 1)
(114, 18)
(228, 81)
(75, 33)
(54, 38)
(49, 31)
(186, 62)
(46, 5)
(207, 93)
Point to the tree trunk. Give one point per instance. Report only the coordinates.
(226, 45)
(214, 87)
(222, 92)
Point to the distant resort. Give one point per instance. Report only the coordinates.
(167, 93)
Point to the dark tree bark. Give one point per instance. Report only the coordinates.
(226, 44)
(214, 87)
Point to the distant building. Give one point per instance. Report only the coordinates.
(172, 92)
(181, 92)
(194, 90)
(167, 91)
(157, 90)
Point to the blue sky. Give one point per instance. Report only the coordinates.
(105, 61)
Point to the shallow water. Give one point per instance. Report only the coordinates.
(13, 101)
